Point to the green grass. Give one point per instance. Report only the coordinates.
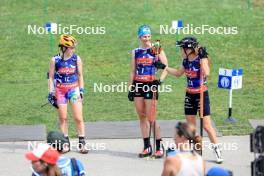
(24, 58)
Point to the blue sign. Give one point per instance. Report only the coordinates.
(237, 72)
(177, 24)
(224, 82)
(230, 79)
(51, 27)
(48, 27)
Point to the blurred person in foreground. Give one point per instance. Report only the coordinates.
(184, 159)
(68, 166)
(43, 160)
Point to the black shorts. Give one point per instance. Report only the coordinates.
(145, 89)
(192, 104)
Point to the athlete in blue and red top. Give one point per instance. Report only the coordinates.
(192, 72)
(66, 69)
(143, 84)
(145, 69)
(192, 55)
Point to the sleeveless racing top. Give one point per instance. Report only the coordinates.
(193, 167)
(145, 69)
(192, 72)
(66, 70)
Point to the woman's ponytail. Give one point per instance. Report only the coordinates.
(189, 132)
(197, 144)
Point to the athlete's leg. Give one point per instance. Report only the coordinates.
(73, 95)
(62, 111)
(190, 108)
(150, 114)
(209, 129)
(76, 101)
(141, 111)
(207, 120)
(78, 117)
(144, 126)
(79, 123)
(212, 136)
(191, 119)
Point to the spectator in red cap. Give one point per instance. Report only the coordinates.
(43, 160)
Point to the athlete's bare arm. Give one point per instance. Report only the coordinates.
(206, 68)
(176, 72)
(164, 60)
(204, 168)
(80, 72)
(171, 167)
(132, 69)
(51, 75)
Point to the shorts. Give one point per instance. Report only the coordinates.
(192, 104)
(145, 89)
(64, 95)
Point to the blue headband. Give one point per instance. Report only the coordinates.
(144, 30)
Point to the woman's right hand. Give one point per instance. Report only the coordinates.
(53, 100)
